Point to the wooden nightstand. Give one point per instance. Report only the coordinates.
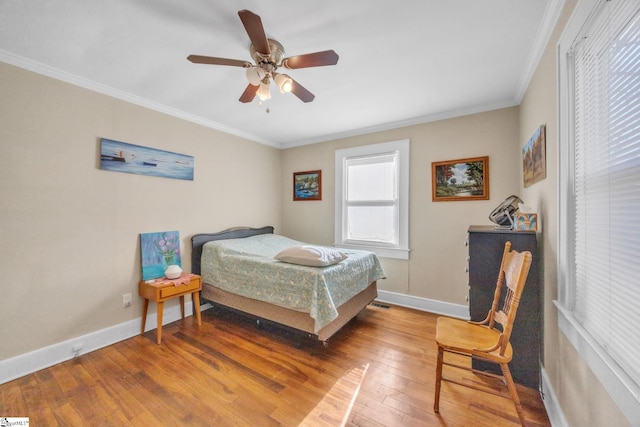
(163, 289)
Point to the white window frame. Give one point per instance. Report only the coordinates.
(622, 389)
(401, 250)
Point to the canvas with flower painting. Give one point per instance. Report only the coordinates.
(158, 251)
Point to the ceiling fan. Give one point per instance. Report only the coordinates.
(268, 55)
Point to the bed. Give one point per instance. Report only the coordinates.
(239, 271)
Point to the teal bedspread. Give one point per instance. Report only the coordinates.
(247, 267)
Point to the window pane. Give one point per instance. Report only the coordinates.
(373, 180)
(372, 198)
(372, 223)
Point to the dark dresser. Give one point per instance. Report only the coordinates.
(486, 245)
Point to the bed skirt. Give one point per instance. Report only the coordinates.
(292, 318)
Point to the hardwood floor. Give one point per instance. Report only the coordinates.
(377, 371)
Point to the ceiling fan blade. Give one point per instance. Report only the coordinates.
(317, 59)
(249, 93)
(298, 90)
(253, 24)
(198, 59)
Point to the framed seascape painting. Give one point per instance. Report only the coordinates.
(307, 185)
(123, 157)
(462, 179)
(158, 251)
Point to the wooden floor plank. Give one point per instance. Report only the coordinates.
(377, 371)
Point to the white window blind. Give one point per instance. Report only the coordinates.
(372, 199)
(606, 63)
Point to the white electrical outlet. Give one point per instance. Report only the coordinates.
(126, 300)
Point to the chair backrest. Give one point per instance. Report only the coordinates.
(514, 270)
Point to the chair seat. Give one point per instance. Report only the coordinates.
(464, 337)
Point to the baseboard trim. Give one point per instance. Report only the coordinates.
(550, 401)
(424, 304)
(27, 363)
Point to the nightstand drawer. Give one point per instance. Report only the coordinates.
(168, 291)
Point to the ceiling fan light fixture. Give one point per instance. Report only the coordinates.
(284, 82)
(269, 55)
(263, 91)
(255, 75)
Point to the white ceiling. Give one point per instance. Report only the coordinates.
(401, 62)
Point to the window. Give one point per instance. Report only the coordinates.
(372, 199)
(599, 274)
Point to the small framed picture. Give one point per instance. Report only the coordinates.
(307, 185)
(526, 222)
(462, 179)
(534, 158)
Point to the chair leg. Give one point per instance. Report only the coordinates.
(436, 401)
(513, 392)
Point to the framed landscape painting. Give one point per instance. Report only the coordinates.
(462, 179)
(534, 158)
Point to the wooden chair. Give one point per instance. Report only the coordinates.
(483, 340)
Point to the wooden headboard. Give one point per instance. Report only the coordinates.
(198, 240)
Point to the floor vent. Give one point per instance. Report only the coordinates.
(377, 304)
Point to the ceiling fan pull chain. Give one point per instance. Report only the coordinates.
(264, 103)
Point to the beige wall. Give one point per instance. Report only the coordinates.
(437, 230)
(69, 231)
(582, 397)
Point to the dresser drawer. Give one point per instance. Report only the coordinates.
(170, 290)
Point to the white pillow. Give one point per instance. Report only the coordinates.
(313, 256)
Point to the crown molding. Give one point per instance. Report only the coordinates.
(75, 80)
(405, 123)
(547, 25)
